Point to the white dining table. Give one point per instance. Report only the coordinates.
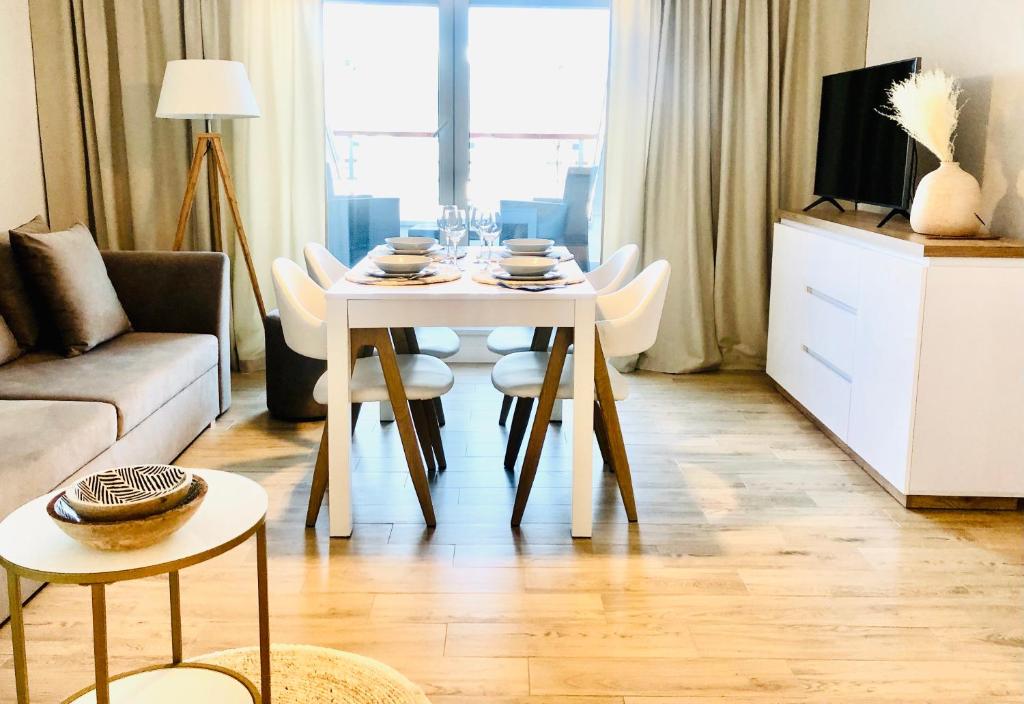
(461, 303)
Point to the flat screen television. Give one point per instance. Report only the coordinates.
(863, 156)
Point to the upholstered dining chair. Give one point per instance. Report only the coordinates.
(628, 321)
(325, 269)
(609, 276)
(409, 381)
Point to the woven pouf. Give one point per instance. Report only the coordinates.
(306, 674)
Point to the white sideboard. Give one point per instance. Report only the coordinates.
(909, 351)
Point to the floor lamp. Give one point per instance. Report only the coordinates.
(203, 89)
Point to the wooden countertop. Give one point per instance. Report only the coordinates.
(899, 229)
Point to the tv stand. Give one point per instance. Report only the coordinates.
(892, 213)
(825, 199)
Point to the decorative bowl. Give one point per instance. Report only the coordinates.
(527, 266)
(131, 534)
(128, 492)
(417, 244)
(401, 263)
(531, 245)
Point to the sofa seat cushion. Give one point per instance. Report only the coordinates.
(42, 443)
(137, 373)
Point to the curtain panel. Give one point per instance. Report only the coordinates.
(712, 126)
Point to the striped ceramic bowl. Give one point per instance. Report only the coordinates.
(135, 491)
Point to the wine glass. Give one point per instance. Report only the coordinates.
(458, 229)
(451, 221)
(489, 231)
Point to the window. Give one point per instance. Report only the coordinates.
(497, 103)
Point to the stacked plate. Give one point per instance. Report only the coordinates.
(402, 266)
(531, 246)
(412, 245)
(527, 268)
(127, 508)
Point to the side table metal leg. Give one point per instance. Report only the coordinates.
(99, 643)
(175, 589)
(18, 636)
(264, 609)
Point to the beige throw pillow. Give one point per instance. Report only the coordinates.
(15, 305)
(66, 271)
(8, 345)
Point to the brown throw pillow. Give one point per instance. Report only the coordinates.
(65, 269)
(8, 345)
(15, 304)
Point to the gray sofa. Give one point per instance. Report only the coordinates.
(141, 397)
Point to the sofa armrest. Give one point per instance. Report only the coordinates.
(177, 292)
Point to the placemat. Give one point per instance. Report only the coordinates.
(443, 275)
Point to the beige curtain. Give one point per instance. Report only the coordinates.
(712, 119)
(277, 159)
(107, 161)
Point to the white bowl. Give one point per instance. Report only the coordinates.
(414, 243)
(530, 245)
(526, 266)
(401, 263)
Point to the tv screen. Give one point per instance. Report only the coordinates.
(863, 156)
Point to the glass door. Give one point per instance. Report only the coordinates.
(493, 103)
(381, 98)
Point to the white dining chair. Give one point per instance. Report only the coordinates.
(609, 276)
(628, 321)
(326, 270)
(409, 381)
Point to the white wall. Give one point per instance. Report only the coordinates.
(21, 165)
(982, 43)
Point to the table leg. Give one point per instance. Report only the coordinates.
(339, 484)
(264, 609)
(583, 420)
(99, 643)
(174, 583)
(18, 636)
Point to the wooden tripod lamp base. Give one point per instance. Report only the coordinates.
(216, 166)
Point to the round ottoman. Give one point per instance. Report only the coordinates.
(307, 674)
(290, 377)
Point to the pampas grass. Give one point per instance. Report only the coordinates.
(926, 105)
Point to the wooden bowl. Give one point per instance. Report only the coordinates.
(130, 534)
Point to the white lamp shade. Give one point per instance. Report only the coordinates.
(206, 89)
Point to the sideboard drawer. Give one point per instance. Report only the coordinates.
(833, 269)
(829, 329)
(825, 391)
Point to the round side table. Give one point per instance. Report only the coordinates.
(31, 546)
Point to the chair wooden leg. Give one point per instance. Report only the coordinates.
(439, 411)
(420, 422)
(319, 486)
(403, 419)
(520, 420)
(601, 431)
(620, 462)
(506, 406)
(434, 426)
(355, 414)
(546, 401)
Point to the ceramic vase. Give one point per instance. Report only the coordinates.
(946, 202)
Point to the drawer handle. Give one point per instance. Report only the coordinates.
(834, 301)
(827, 364)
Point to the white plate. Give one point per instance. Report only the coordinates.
(407, 245)
(429, 271)
(528, 245)
(546, 253)
(549, 276)
(401, 263)
(129, 492)
(527, 265)
(414, 252)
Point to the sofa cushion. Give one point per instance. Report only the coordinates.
(136, 373)
(9, 348)
(65, 269)
(42, 443)
(15, 304)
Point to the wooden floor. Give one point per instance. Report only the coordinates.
(766, 568)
